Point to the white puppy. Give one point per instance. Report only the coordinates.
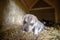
(32, 23)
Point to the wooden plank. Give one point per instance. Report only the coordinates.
(43, 8)
(29, 3)
(24, 3)
(33, 4)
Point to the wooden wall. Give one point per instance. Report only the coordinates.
(44, 8)
(3, 4)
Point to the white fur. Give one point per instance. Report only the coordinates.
(37, 25)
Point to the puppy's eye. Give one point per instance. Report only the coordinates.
(32, 24)
(24, 22)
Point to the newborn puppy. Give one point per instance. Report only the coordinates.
(32, 23)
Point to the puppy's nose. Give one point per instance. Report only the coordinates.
(25, 29)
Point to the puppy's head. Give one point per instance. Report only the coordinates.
(29, 21)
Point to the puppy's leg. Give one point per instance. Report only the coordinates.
(41, 27)
(38, 28)
(36, 31)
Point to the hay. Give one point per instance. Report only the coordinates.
(48, 33)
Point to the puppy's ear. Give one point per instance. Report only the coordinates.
(23, 17)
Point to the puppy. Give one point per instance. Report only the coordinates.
(32, 23)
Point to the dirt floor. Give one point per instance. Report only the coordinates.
(48, 33)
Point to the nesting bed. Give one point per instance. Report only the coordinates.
(48, 33)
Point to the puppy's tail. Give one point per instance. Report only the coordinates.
(49, 23)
